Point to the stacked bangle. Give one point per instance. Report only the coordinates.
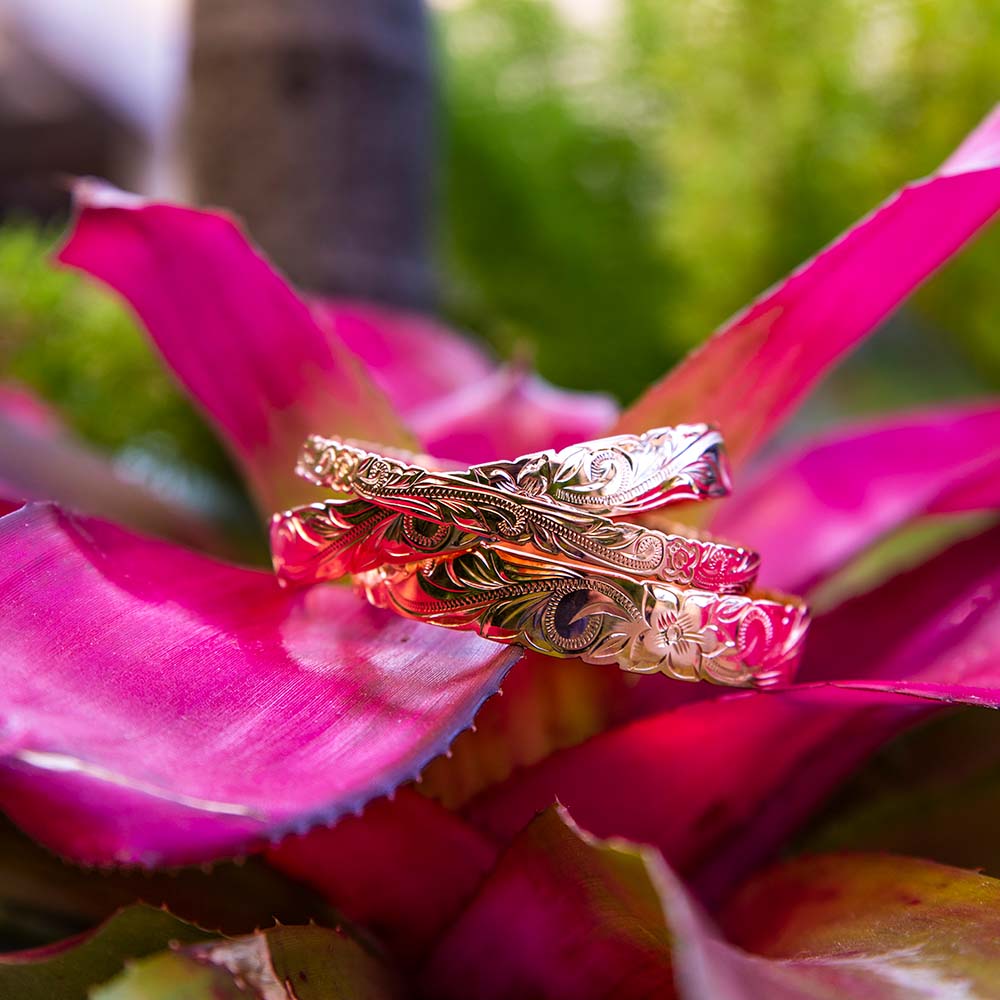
(529, 551)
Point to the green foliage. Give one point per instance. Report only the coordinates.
(144, 953)
(300, 963)
(615, 197)
(68, 971)
(547, 236)
(76, 345)
(170, 975)
(43, 898)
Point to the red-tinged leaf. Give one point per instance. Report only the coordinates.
(68, 969)
(453, 395)
(719, 784)
(752, 373)
(547, 704)
(402, 869)
(809, 512)
(412, 358)
(156, 702)
(40, 460)
(292, 963)
(695, 781)
(585, 919)
(898, 927)
(510, 413)
(244, 345)
(559, 918)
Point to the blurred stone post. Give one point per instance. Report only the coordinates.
(314, 121)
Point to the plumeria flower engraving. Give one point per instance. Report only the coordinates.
(672, 637)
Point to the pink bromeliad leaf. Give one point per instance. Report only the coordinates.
(251, 352)
(510, 413)
(156, 702)
(734, 775)
(586, 919)
(22, 407)
(752, 373)
(811, 511)
(459, 403)
(412, 358)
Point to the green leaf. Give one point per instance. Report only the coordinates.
(910, 927)
(43, 898)
(300, 963)
(67, 970)
(171, 975)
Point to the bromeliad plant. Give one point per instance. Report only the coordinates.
(162, 708)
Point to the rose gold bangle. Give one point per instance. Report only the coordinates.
(336, 538)
(556, 504)
(615, 476)
(642, 626)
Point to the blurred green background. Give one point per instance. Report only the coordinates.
(626, 190)
(613, 191)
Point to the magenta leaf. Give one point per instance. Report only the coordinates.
(585, 919)
(412, 358)
(244, 345)
(453, 395)
(402, 869)
(712, 765)
(69, 968)
(752, 373)
(23, 408)
(156, 701)
(510, 413)
(938, 623)
(559, 918)
(809, 512)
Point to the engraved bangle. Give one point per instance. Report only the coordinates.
(644, 627)
(614, 476)
(335, 538)
(550, 502)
